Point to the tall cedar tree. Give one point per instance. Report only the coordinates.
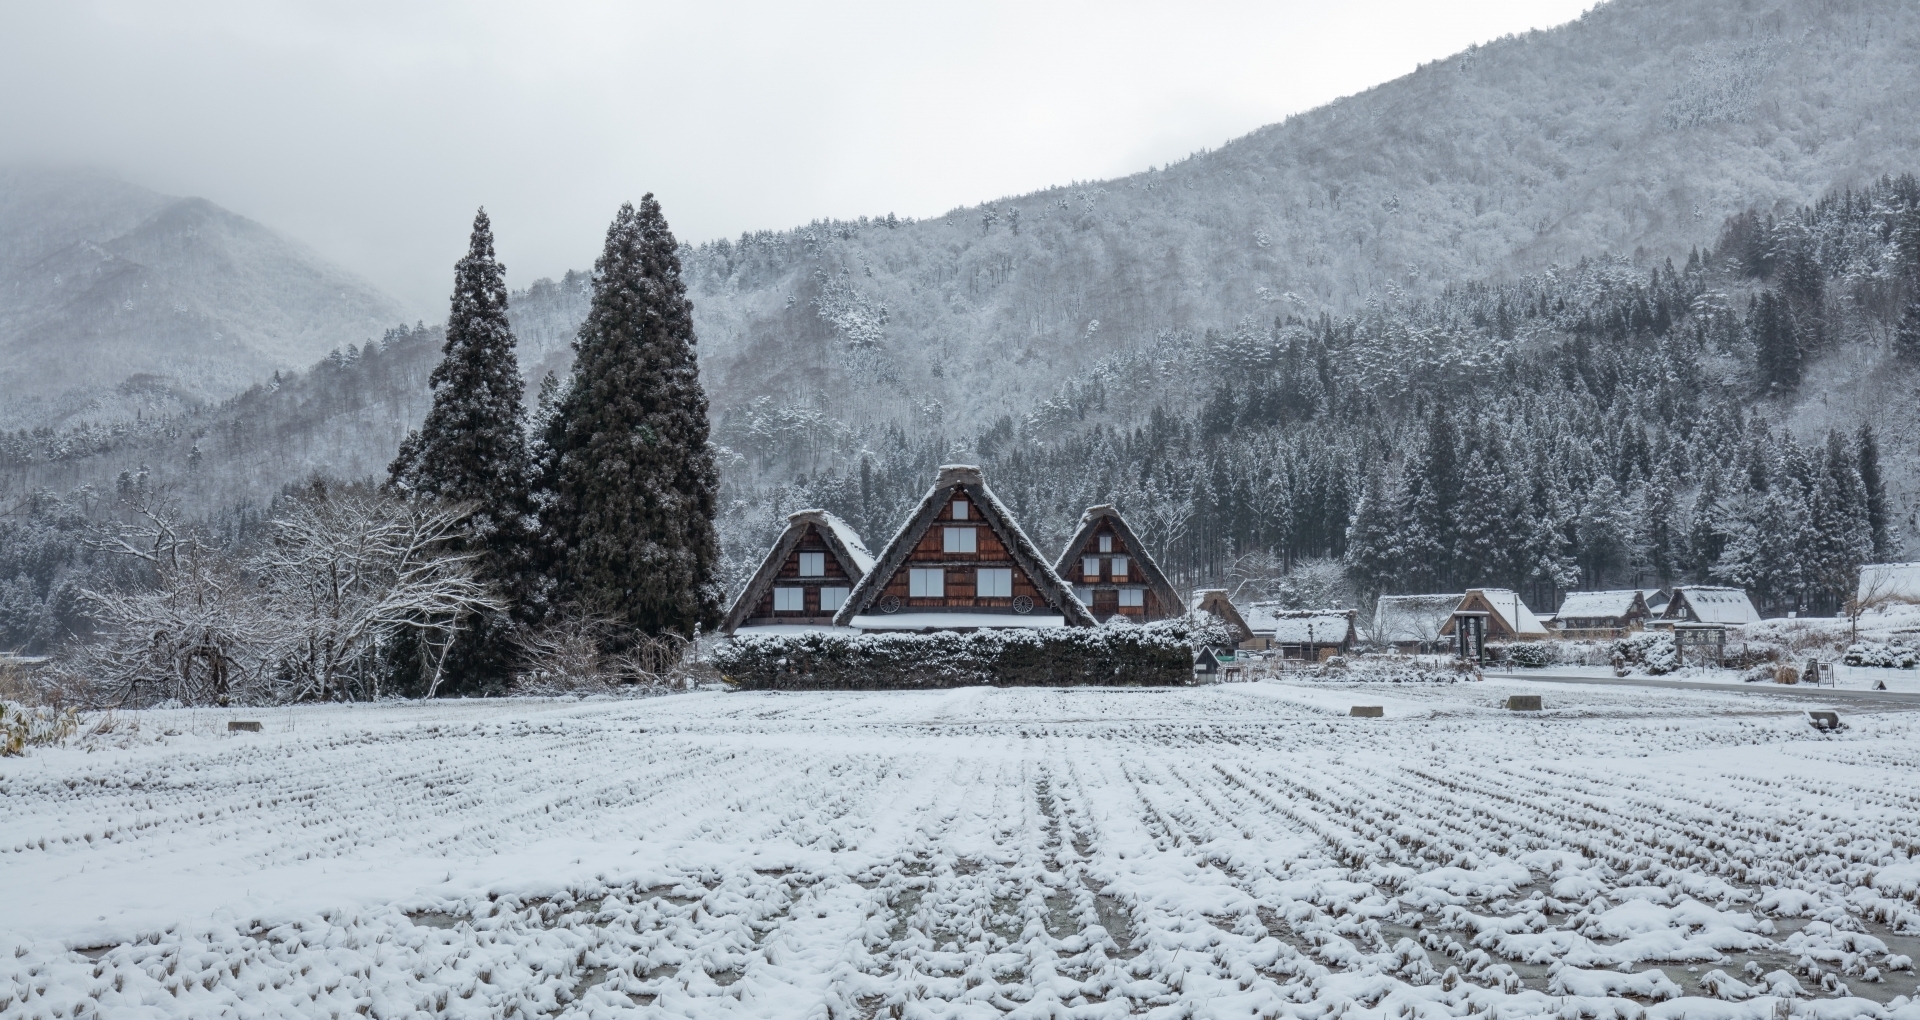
(472, 448)
(632, 486)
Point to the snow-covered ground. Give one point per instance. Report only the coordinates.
(1238, 850)
(1846, 678)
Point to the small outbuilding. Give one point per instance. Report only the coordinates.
(1215, 602)
(1693, 603)
(1602, 615)
(1313, 635)
(1507, 617)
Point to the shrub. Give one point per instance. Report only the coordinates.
(22, 727)
(1785, 674)
(1651, 651)
(1885, 656)
(1156, 654)
(1531, 654)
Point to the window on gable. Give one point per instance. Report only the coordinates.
(959, 509)
(1133, 596)
(789, 600)
(1106, 543)
(1119, 567)
(1090, 567)
(994, 582)
(831, 599)
(813, 564)
(959, 540)
(927, 583)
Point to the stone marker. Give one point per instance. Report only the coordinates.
(1824, 720)
(1368, 711)
(240, 726)
(1523, 702)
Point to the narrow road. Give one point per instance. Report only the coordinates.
(1830, 695)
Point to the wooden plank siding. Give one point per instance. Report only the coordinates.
(960, 567)
(788, 576)
(1105, 586)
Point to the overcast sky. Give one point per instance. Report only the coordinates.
(372, 130)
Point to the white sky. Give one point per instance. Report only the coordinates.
(371, 130)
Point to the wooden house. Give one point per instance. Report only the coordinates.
(804, 579)
(1112, 573)
(1696, 603)
(961, 562)
(1507, 617)
(1413, 623)
(1214, 601)
(1309, 634)
(1602, 615)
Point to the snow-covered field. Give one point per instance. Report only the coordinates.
(1846, 678)
(1234, 851)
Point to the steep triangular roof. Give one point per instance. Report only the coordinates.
(953, 479)
(1601, 604)
(1089, 523)
(841, 540)
(1215, 601)
(1712, 605)
(1503, 603)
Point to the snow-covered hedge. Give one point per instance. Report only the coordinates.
(1532, 654)
(1652, 651)
(1893, 655)
(1157, 654)
(1394, 669)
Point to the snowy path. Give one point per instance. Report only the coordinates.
(1240, 850)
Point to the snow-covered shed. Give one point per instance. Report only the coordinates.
(1412, 623)
(1888, 584)
(804, 578)
(1602, 615)
(1301, 633)
(1112, 571)
(1508, 618)
(961, 562)
(1696, 603)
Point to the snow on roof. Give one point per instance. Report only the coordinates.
(1399, 619)
(1590, 604)
(851, 539)
(954, 621)
(1889, 583)
(1298, 626)
(1715, 605)
(1506, 603)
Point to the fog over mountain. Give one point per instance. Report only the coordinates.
(121, 300)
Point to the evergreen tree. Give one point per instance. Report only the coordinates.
(631, 483)
(1660, 535)
(472, 449)
(1432, 493)
(1372, 561)
(1906, 336)
(1777, 356)
(1873, 491)
(1706, 538)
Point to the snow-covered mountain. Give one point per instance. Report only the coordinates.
(119, 299)
(1639, 127)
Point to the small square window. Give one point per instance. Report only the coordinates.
(789, 600)
(959, 540)
(994, 582)
(1106, 543)
(1119, 567)
(831, 599)
(1083, 594)
(1133, 597)
(959, 509)
(813, 564)
(927, 583)
(1090, 567)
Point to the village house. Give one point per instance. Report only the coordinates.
(1112, 572)
(804, 579)
(1602, 615)
(1214, 601)
(961, 563)
(1726, 607)
(1507, 617)
(1313, 635)
(1412, 623)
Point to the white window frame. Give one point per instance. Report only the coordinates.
(960, 540)
(1090, 567)
(959, 509)
(1133, 598)
(833, 597)
(926, 583)
(1106, 543)
(1119, 567)
(993, 583)
(816, 560)
(789, 600)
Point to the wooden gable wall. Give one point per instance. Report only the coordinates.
(1104, 587)
(959, 568)
(789, 577)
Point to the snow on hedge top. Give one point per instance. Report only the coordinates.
(1589, 604)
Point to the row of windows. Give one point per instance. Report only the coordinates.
(988, 583)
(1090, 567)
(1128, 596)
(794, 600)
